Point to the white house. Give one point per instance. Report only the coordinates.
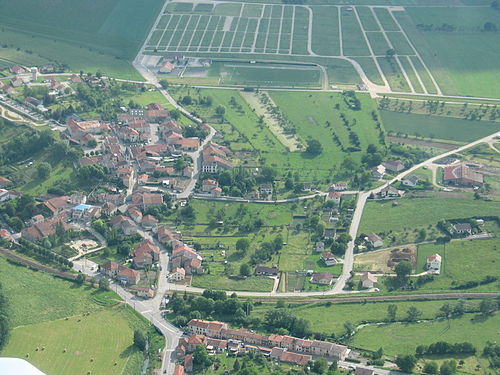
(368, 280)
(378, 172)
(434, 263)
(334, 196)
(177, 274)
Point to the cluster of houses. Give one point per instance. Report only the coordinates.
(218, 337)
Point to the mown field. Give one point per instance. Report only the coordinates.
(102, 35)
(382, 216)
(38, 307)
(438, 127)
(464, 61)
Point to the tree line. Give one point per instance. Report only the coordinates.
(4, 319)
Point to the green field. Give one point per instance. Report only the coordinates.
(262, 76)
(404, 338)
(438, 127)
(330, 318)
(310, 112)
(382, 216)
(463, 261)
(85, 36)
(101, 343)
(38, 307)
(464, 61)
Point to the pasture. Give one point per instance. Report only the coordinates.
(100, 343)
(415, 212)
(439, 127)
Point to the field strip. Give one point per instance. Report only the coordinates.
(417, 53)
(236, 27)
(417, 75)
(389, 43)
(296, 67)
(281, 26)
(292, 31)
(227, 23)
(257, 28)
(254, 101)
(167, 46)
(205, 31)
(183, 32)
(309, 31)
(244, 37)
(382, 75)
(339, 12)
(194, 32)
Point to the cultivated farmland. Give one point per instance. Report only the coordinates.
(294, 33)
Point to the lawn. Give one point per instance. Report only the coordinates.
(464, 61)
(403, 338)
(463, 261)
(86, 36)
(100, 343)
(382, 216)
(438, 127)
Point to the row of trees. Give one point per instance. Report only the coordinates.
(44, 255)
(443, 347)
(4, 319)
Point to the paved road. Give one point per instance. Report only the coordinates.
(196, 157)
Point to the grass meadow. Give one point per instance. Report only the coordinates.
(101, 343)
(38, 307)
(382, 216)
